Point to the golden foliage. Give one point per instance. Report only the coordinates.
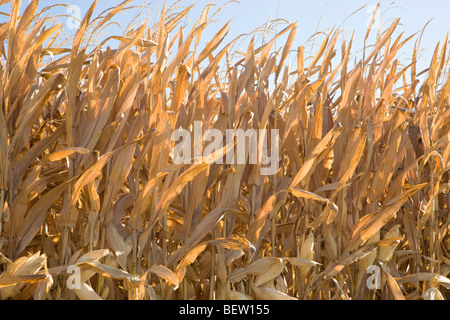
(86, 177)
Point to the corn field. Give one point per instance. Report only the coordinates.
(87, 181)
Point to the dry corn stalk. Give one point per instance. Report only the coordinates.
(87, 178)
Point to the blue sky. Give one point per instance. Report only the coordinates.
(250, 14)
(414, 14)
